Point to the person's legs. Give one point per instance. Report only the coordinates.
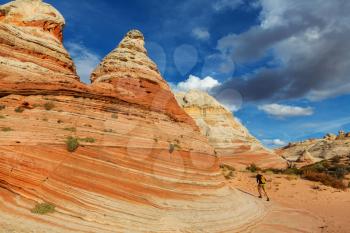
(263, 188)
(259, 190)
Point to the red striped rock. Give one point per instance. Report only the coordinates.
(131, 75)
(142, 165)
(231, 140)
(31, 52)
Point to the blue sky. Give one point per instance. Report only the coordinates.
(282, 66)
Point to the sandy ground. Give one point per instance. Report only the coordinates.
(331, 205)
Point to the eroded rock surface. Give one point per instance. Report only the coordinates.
(231, 140)
(31, 53)
(141, 164)
(329, 146)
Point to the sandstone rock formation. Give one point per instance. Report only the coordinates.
(230, 139)
(141, 164)
(306, 158)
(31, 50)
(133, 77)
(326, 148)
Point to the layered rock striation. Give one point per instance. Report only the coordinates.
(117, 156)
(231, 140)
(31, 53)
(132, 76)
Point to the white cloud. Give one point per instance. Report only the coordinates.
(281, 111)
(194, 82)
(85, 60)
(222, 4)
(310, 52)
(201, 33)
(274, 142)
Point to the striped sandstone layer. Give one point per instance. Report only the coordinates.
(232, 142)
(142, 165)
(31, 50)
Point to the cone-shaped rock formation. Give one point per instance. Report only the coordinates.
(129, 74)
(120, 156)
(31, 53)
(231, 140)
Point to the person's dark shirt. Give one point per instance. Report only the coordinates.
(259, 179)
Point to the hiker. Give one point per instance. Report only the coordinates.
(261, 180)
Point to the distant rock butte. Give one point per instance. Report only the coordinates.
(231, 140)
(324, 148)
(142, 165)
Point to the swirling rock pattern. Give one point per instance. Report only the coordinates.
(141, 164)
(231, 140)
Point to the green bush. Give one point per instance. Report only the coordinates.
(253, 168)
(43, 208)
(292, 171)
(336, 159)
(340, 172)
(49, 105)
(71, 129)
(19, 109)
(72, 144)
(227, 171)
(324, 178)
(173, 146)
(90, 140)
(6, 129)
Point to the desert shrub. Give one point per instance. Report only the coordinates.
(2, 117)
(45, 119)
(227, 171)
(49, 105)
(292, 171)
(72, 144)
(273, 170)
(336, 159)
(114, 115)
(59, 121)
(43, 208)
(6, 129)
(340, 172)
(324, 178)
(155, 140)
(253, 168)
(71, 129)
(90, 140)
(2, 106)
(172, 147)
(19, 109)
(108, 130)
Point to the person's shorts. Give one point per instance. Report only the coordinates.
(262, 185)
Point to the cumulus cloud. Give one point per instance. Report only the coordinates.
(85, 60)
(274, 142)
(201, 33)
(223, 4)
(308, 47)
(282, 111)
(196, 83)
